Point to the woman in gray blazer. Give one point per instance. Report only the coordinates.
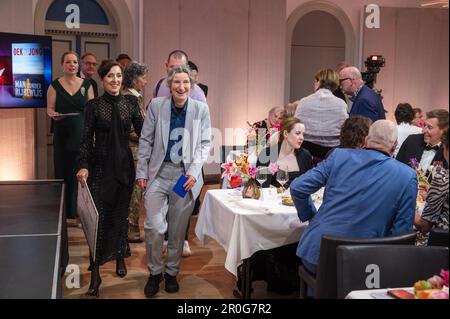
(174, 142)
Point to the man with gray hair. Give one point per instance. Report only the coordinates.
(367, 194)
(365, 101)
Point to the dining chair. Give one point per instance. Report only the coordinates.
(324, 283)
(438, 237)
(386, 266)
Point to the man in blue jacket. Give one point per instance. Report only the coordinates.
(367, 194)
(365, 101)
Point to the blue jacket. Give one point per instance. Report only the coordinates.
(368, 103)
(367, 194)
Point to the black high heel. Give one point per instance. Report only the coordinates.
(96, 280)
(121, 268)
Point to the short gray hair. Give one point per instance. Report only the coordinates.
(179, 69)
(353, 72)
(132, 72)
(382, 135)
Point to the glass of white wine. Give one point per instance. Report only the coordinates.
(282, 178)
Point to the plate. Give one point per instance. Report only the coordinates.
(287, 202)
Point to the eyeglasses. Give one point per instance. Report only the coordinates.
(91, 63)
(342, 80)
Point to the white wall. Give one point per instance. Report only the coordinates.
(415, 44)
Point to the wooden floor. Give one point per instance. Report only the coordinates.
(202, 275)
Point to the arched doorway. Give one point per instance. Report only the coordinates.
(105, 29)
(311, 25)
(318, 42)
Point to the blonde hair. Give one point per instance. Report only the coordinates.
(328, 79)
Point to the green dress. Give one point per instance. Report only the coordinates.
(66, 140)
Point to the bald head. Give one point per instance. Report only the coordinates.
(350, 80)
(382, 136)
(352, 72)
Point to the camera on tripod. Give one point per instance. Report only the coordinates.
(373, 64)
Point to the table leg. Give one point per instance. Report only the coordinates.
(246, 285)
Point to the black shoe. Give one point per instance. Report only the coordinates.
(96, 280)
(171, 284)
(121, 268)
(152, 286)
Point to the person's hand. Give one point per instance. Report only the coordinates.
(189, 183)
(54, 115)
(82, 176)
(142, 183)
(423, 191)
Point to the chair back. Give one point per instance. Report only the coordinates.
(326, 285)
(386, 266)
(438, 237)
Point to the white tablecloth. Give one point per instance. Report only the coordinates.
(244, 226)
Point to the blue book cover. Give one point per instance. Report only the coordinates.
(178, 188)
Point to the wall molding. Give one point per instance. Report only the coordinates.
(302, 10)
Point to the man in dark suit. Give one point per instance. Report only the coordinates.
(426, 148)
(365, 101)
(88, 67)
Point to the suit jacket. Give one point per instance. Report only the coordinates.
(368, 103)
(93, 83)
(367, 194)
(204, 88)
(155, 137)
(413, 147)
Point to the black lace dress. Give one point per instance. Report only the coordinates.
(104, 151)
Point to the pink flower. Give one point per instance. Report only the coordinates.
(252, 171)
(444, 274)
(273, 167)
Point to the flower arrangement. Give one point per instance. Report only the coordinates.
(239, 170)
(435, 287)
(421, 175)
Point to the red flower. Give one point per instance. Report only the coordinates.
(235, 181)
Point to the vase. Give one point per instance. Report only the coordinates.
(251, 190)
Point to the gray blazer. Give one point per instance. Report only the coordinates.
(155, 137)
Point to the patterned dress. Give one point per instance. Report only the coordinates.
(436, 207)
(97, 155)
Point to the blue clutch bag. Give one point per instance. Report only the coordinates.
(178, 188)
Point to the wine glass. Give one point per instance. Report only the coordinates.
(261, 176)
(282, 178)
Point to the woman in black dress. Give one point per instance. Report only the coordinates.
(68, 94)
(279, 266)
(288, 153)
(106, 163)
